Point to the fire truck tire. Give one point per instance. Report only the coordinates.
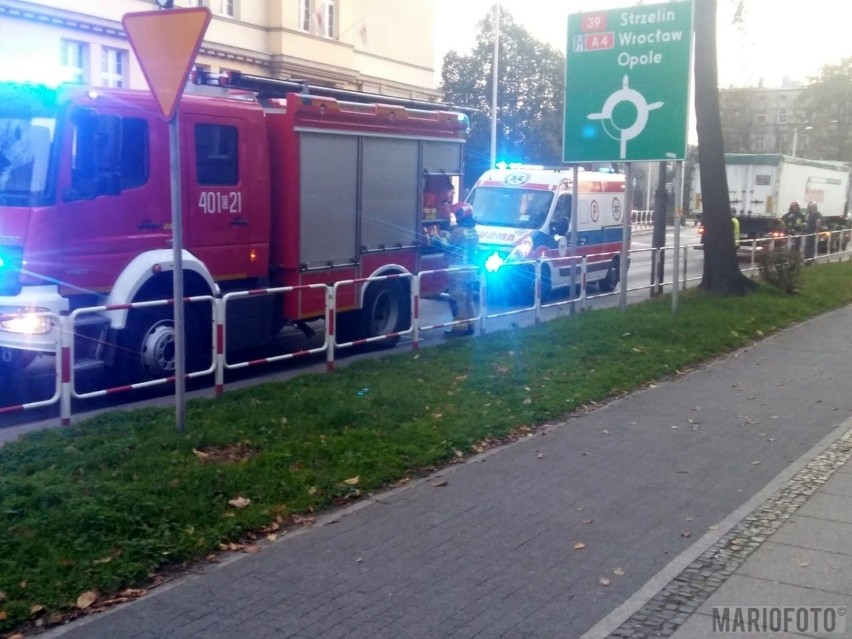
(146, 348)
(610, 280)
(386, 310)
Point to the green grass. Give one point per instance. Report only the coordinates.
(105, 504)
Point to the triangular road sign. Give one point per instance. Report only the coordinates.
(166, 43)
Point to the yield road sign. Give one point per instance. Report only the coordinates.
(627, 84)
(166, 43)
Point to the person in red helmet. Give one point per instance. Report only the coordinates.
(462, 247)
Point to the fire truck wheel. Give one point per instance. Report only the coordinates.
(386, 310)
(610, 280)
(147, 346)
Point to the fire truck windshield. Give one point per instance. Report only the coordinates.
(518, 208)
(27, 126)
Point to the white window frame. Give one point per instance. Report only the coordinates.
(74, 59)
(113, 67)
(318, 17)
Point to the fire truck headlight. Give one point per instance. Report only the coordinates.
(25, 321)
(493, 263)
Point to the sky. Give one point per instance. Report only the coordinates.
(779, 39)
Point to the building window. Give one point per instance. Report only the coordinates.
(113, 67)
(225, 8)
(318, 17)
(781, 144)
(758, 144)
(305, 15)
(761, 118)
(74, 58)
(782, 115)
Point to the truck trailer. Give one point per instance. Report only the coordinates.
(762, 186)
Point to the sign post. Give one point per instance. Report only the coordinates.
(166, 43)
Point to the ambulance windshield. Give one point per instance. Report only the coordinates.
(27, 127)
(502, 206)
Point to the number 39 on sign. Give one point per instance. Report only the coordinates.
(593, 22)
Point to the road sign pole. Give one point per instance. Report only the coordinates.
(626, 228)
(177, 273)
(165, 44)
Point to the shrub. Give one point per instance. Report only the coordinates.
(782, 268)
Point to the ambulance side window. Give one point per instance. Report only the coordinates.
(561, 216)
(216, 161)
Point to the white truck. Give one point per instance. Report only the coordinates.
(762, 186)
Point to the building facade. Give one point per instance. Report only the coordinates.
(760, 120)
(363, 45)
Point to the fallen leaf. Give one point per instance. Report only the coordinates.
(604, 581)
(313, 490)
(200, 454)
(618, 571)
(272, 537)
(713, 527)
(37, 608)
(588, 521)
(579, 545)
(133, 592)
(755, 463)
(458, 453)
(87, 599)
(352, 480)
(439, 483)
(239, 502)
(805, 564)
(686, 534)
(252, 549)
(540, 456)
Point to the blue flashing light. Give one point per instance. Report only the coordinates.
(493, 263)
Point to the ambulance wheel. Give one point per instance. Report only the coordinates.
(386, 310)
(610, 280)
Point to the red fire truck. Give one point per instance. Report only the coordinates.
(282, 185)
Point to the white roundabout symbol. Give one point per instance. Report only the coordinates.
(625, 94)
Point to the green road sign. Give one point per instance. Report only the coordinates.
(627, 84)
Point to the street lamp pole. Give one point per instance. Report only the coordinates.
(494, 86)
(796, 137)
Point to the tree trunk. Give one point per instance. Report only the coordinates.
(722, 275)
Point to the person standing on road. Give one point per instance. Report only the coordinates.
(462, 248)
(813, 225)
(794, 222)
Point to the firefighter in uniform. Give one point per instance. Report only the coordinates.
(461, 245)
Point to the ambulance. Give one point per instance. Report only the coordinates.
(523, 214)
